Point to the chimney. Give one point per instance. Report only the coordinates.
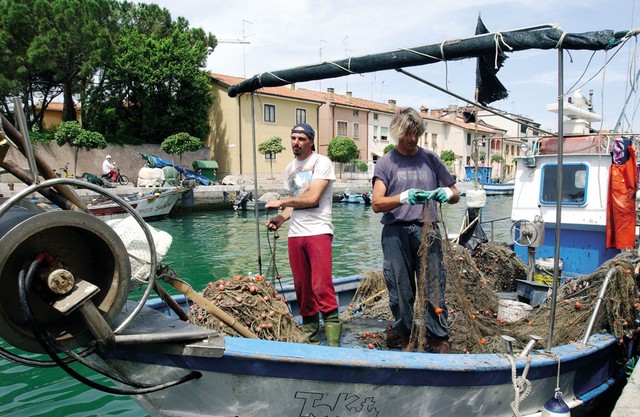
(329, 94)
(349, 95)
(453, 112)
(293, 86)
(424, 109)
(392, 105)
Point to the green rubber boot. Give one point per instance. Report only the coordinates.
(311, 328)
(332, 328)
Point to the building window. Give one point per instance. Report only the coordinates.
(301, 116)
(356, 113)
(375, 133)
(384, 133)
(356, 130)
(269, 113)
(468, 138)
(523, 129)
(375, 116)
(270, 156)
(342, 128)
(434, 141)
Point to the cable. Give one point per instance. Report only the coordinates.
(47, 343)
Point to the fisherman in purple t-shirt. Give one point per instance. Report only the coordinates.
(408, 182)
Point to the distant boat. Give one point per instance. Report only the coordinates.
(357, 198)
(485, 182)
(157, 203)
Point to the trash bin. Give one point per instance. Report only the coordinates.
(207, 169)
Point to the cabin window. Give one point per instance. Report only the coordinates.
(269, 113)
(574, 184)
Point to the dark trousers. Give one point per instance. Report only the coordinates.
(400, 244)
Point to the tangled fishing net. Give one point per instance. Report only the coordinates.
(254, 303)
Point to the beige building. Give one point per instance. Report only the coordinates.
(275, 110)
(364, 121)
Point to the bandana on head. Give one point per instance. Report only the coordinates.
(306, 129)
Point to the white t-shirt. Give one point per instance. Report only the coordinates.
(298, 176)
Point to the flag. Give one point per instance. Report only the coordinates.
(489, 88)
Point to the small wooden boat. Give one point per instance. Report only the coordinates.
(157, 203)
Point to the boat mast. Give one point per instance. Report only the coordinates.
(556, 254)
(255, 180)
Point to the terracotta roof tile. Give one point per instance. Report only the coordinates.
(228, 80)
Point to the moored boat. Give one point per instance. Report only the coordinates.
(485, 181)
(356, 198)
(157, 203)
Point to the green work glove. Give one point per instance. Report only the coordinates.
(442, 194)
(414, 196)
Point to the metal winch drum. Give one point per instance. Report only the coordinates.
(71, 245)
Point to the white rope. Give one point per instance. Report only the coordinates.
(421, 54)
(559, 44)
(498, 39)
(521, 385)
(274, 75)
(343, 68)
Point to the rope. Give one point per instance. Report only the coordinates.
(341, 67)
(435, 58)
(521, 385)
(559, 44)
(498, 38)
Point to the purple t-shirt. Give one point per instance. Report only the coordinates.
(424, 170)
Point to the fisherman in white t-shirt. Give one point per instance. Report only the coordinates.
(309, 179)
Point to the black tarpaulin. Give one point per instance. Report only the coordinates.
(488, 85)
(454, 49)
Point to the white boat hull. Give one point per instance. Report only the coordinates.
(147, 207)
(250, 377)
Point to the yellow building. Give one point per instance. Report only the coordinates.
(275, 109)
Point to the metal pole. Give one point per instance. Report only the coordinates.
(556, 254)
(596, 309)
(255, 180)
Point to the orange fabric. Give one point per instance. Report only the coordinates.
(621, 204)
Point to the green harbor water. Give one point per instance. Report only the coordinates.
(209, 246)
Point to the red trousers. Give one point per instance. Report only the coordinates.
(310, 260)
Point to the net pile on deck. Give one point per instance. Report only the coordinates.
(472, 282)
(256, 305)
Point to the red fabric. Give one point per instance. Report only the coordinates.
(621, 204)
(310, 260)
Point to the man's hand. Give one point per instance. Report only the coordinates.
(273, 205)
(442, 194)
(274, 223)
(414, 196)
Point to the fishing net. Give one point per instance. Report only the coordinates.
(254, 303)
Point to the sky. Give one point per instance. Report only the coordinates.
(283, 34)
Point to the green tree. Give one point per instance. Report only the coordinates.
(156, 83)
(448, 157)
(271, 147)
(497, 158)
(389, 148)
(180, 143)
(70, 133)
(478, 156)
(342, 149)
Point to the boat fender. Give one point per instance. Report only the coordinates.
(556, 407)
